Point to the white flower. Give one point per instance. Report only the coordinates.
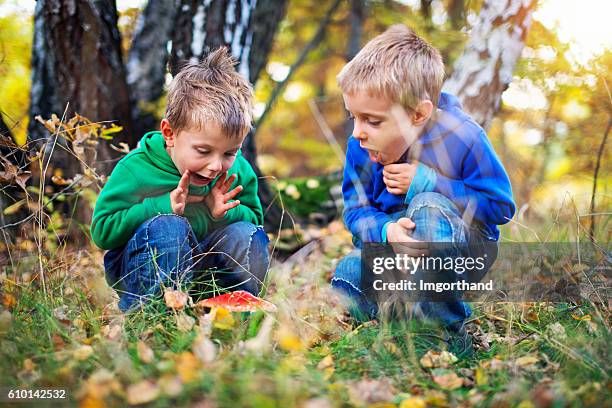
(292, 191)
(312, 183)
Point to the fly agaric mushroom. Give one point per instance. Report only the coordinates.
(238, 301)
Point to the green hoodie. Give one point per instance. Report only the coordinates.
(139, 189)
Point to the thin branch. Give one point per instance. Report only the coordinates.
(595, 175)
(316, 39)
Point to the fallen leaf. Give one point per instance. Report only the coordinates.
(145, 353)
(413, 402)
(580, 318)
(261, 341)
(447, 379)
(288, 340)
(556, 330)
(83, 352)
(6, 321)
(101, 383)
(175, 299)
(367, 391)
(204, 349)
(481, 377)
(435, 359)
(184, 322)
(222, 319)
(8, 300)
(526, 361)
(188, 367)
(327, 366)
(170, 385)
(142, 392)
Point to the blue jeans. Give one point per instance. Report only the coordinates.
(437, 219)
(164, 251)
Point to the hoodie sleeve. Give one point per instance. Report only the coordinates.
(363, 220)
(119, 212)
(250, 209)
(484, 191)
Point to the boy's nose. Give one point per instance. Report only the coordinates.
(358, 133)
(215, 166)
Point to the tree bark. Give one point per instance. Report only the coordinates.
(77, 68)
(247, 28)
(356, 20)
(484, 70)
(146, 62)
(77, 63)
(456, 13)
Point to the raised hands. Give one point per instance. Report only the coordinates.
(179, 197)
(217, 200)
(398, 177)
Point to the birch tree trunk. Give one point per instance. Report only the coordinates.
(247, 28)
(484, 70)
(147, 60)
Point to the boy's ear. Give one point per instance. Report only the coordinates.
(422, 112)
(167, 132)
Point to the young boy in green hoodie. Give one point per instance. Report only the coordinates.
(185, 201)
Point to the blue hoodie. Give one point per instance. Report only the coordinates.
(455, 159)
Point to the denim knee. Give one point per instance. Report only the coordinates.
(168, 230)
(347, 276)
(240, 251)
(437, 219)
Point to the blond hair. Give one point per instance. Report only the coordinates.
(211, 90)
(397, 65)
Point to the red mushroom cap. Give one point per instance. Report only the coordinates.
(238, 301)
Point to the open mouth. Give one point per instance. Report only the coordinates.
(374, 155)
(200, 180)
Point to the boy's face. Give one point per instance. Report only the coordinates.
(383, 128)
(205, 153)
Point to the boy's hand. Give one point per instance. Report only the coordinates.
(397, 177)
(179, 197)
(217, 199)
(402, 243)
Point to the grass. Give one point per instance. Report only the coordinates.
(71, 335)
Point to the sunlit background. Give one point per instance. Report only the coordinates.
(547, 132)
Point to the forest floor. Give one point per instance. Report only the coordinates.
(62, 330)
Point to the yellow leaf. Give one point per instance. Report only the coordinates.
(481, 376)
(188, 367)
(413, 402)
(223, 319)
(526, 361)
(13, 208)
(288, 340)
(581, 318)
(92, 402)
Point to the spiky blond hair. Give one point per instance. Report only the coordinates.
(211, 90)
(398, 65)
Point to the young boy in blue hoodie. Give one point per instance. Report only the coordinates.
(418, 169)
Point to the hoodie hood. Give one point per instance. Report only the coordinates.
(449, 119)
(153, 146)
